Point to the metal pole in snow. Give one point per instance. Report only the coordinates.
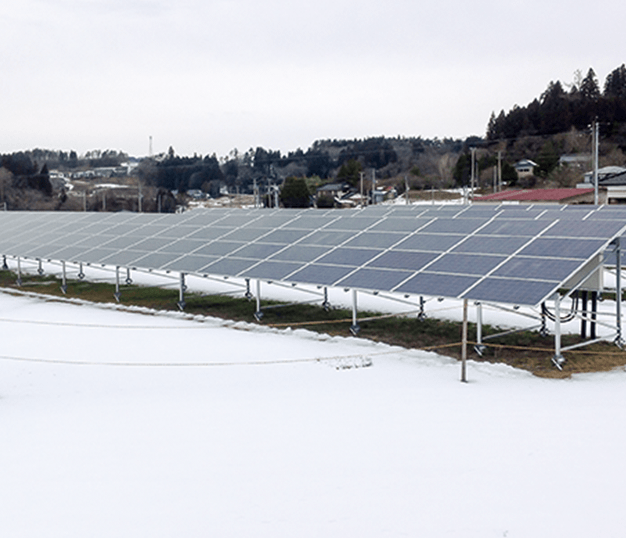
(557, 360)
(479, 348)
(181, 292)
(117, 293)
(355, 325)
(258, 314)
(64, 278)
(618, 292)
(464, 344)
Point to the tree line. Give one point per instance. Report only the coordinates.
(560, 109)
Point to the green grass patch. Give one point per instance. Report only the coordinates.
(526, 349)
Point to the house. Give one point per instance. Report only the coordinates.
(603, 173)
(615, 186)
(575, 160)
(554, 196)
(525, 168)
(333, 190)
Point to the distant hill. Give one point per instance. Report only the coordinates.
(560, 110)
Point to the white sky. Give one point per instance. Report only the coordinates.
(210, 76)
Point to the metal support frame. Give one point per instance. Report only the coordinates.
(618, 294)
(557, 359)
(128, 280)
(19, 271)
(584, 296)
(181, 292)
(39, 266)
(543, 328)
(479, 348)
(63, 278)
(118, 293)
(248, 295)
(325, 303)
(5, 267)
(594, 314)
(421, 315)
(464, 344)
(258, 315)
(81, 273)
(354, 328)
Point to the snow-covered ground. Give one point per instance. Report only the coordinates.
(126, 424)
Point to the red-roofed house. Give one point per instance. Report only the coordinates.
(555, 196)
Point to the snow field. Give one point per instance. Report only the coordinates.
(400, 448)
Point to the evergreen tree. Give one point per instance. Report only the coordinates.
(615, 84)
(350, 172)
(295, 193)
(589, 88)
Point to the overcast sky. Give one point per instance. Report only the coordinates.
(207, 76)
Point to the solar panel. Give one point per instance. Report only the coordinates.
(228, 266)
(272, 270)
(399, 224)
(118, 242)
(190, 264)
(520, 227)
(537, 268)
(595, 228)
(430, 242)
(152, 243)
(491, 244)
(437, 284)
(562, 248)
(395, 259)
(123, 258)
(353, 224)
(219, 248)
(512, 291)
(245, 234)
(209, 233)
(373, 279)
(300, 253)
(481, 252)
(155, 260)
(326, 238)
(453, 226)
(67, 253)
(324, 275)
(258, 251)
(182, 246)
(354, 257)
(375, 239)
(465, 264)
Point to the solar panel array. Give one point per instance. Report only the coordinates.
(504, 254)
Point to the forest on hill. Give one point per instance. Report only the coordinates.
(558, 111)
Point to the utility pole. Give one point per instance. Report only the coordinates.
(406, 189)
(374, 186)
(361, 174)
(473, 171)
(596, 143)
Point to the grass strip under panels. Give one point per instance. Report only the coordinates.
(527, 350)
